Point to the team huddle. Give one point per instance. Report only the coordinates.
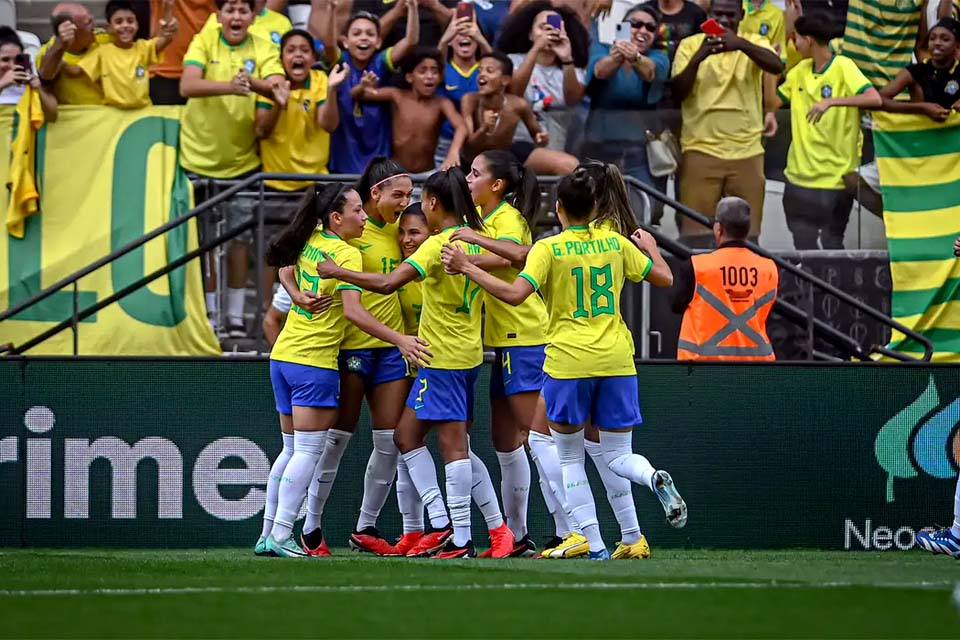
(394, 302)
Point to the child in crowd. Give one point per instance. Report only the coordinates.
(364, 130)
(419, 113)
(492, 116)
(120, 66)
(294, 130)
(267, 23)
(934, 84)
(460, 45)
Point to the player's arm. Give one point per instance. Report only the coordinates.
(510, 253)
(410, 39)
(376, 282)
(455, 261)
(459, 131)
(659, 274)
(412, 348)
(273, 321)
(323, 26)
(306, 300)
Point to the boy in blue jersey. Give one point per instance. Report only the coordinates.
(364, 130)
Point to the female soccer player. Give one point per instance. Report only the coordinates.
(442, 395)
(303, 361)
(369, 367)
(591, 375)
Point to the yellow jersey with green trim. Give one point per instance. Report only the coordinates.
(380, 253)
(450, 321)
(580, 273)
(506, 325)
(267, 24)
(821, 154)
(411, 305)
(80, 89)
(123, 72)
(765, 19)
(297, 144)
(216, 133)
(314, 339)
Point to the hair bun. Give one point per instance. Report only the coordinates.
(582, 179)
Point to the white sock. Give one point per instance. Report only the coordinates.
(576, 486)
(618, 454)
(408, 500)
(619, 495)
(235, 298)
(956, 510)
(212, 306)
(483, 493)
(515, 489)
(273, 483)
(307, 447)
(381, 469)
(423, 474)
(324, 475)
(459, 474)
(544, 453)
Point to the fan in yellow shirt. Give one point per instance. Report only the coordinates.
(267, 23)
(294, 131)
(442, 395)
(580, 274)
(121, 66)
(74, 38)
(765, 19)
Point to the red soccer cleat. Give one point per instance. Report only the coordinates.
(407, 542)
(502, 542)
(488, 553)
(370, 541)
(430, 543)
(320, 551)
(451, 551)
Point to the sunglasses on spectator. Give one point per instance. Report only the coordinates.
(641, 24)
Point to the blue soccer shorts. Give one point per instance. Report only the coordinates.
(610, 403)
(300, 385)
(516, 370)
(374, 366)
(443, 395)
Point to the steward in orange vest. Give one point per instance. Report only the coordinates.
(726, 302)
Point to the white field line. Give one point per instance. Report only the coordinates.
(516, 586)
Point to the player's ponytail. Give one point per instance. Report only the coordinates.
(377, 173)
(314, 210)
(452, 192)
(521, 189)
(613, 203)
(577, 193)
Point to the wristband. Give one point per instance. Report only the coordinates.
(566, 63)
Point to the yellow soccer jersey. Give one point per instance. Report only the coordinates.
(765, 19)
(580, 273)
(122, 73)
(450, 322)
(507, 325)
(411, 305)
(216, 133)
(298, 144)
(310, 339)
(380, 253)
(268, 24)
(821, 154)
(80, 89)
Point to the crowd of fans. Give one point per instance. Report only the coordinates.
(326, 85)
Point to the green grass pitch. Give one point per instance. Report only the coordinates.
(229, 593)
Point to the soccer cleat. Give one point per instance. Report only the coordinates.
(451, 551)
(600, 555)
(549, 546)
(523, 548)
(286, 549)
(943, 541)
(502, 542)
(574, 546)
(431, 542)
(673, 504)
(639, 550)
(407, 542)
(369, 540)
(321, 550)
(261, 547)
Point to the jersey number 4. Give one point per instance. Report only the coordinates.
(601, 297)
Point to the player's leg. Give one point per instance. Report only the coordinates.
(615, 411)
(282, 395)
(946, 540)
(411, 510)
(568, 405)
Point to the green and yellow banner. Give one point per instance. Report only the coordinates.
(919, 163)
(106, 177)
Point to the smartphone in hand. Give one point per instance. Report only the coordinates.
(465, 10)
(555, 21)
(712, 28)
(623, 32)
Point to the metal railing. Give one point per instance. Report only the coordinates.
(254, 185)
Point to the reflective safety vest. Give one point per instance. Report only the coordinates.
(727, 318)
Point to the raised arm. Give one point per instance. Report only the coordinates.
(411, 38)
(412, 348)
(682, 83)
(323, 25)
(767, 59)
(53, 56)
(477, 132)
(376, 282)
(459, 132)
(166, 27)
(328, 113)
(456, 261)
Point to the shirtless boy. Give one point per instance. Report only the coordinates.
(419, 113)
(492, 115)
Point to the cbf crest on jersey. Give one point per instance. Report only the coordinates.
(826, 91)
(275, 36)
(306, 105)
(249, 65)
(764, 28)
(140, 72)
(951, 88)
